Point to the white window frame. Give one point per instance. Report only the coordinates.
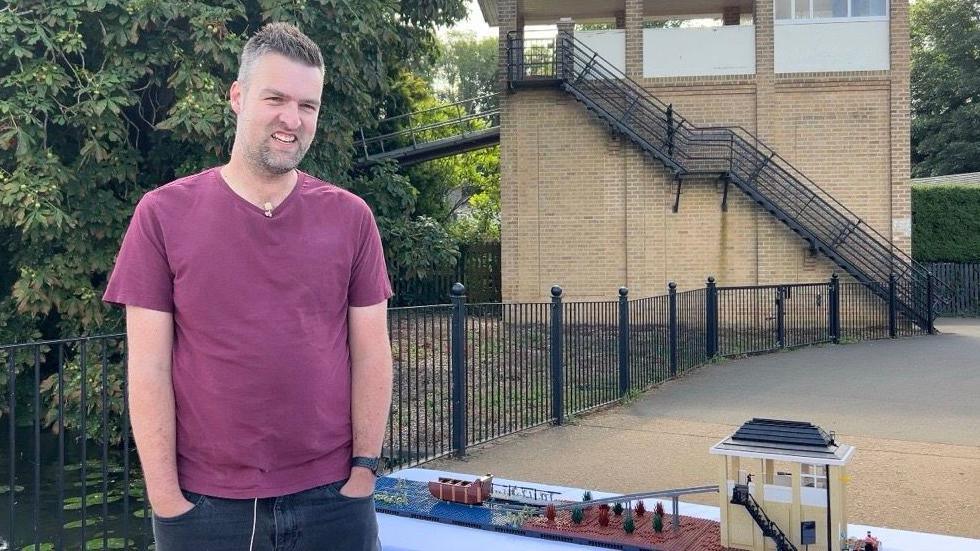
(811, 20)
(813, 474)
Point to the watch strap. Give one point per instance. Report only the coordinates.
(372, 464)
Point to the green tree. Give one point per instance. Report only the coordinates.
(629, 525)
(945, 86)
(102, 100)
(466, 68)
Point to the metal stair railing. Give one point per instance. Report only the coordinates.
(733, 153)
(741, 496)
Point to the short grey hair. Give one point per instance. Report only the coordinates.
(283, 39)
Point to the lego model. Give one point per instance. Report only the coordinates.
(467, 492)
(782, 485)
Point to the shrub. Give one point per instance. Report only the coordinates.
(617, 508)
(587, 496)
(577, 515)
(658, 509)
(603, 506)
(658, 523)
(550, 512)
(946, 223)
(640, 509)
(604, 517)
(629, 525)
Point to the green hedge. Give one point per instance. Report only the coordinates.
(946, 223)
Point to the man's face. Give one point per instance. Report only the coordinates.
(277, 110)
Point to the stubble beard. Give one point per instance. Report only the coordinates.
(276, 163)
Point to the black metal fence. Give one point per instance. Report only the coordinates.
(464, 374)
(477, 267)
(963, 279)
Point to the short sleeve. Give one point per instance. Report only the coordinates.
(369, 284)
(142, 275)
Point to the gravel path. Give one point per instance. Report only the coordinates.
(911, 407)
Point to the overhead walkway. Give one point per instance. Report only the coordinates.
(441, 131)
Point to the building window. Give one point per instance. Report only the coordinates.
(813, 476)
(804, 10)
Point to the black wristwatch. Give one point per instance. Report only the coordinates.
(372, 464)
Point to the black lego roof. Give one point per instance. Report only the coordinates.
(796, 440)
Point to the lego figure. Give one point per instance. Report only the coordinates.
(870, 542)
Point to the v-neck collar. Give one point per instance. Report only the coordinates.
(280, 208)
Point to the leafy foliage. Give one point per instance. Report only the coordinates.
(587, 495)
(102, 100)
(945, 86)
(946, 223)
(617, 508)
(467, 68)
(578, 515)
(550, 511)
(640, 509)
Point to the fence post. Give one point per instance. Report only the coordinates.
(892, 307)
(711, 321)
(624, 341)
(834, 308)
(458, 344)
(672, 324)
(929, 302)
(781, 316)
(557, 380)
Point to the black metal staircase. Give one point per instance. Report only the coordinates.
(741, 496)
(737, 158)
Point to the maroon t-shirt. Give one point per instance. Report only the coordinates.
(261, 364)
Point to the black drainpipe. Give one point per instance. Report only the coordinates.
(827, 473)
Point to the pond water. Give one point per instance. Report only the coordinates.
(90, 504)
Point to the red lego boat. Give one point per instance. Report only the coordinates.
(469, 492)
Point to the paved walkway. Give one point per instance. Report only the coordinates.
(910, 406)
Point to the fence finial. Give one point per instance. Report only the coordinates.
(623, 291)
(458, 289)
(672, 285)
(556, 291)
(711, 279)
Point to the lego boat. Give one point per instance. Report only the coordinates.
(469, 492)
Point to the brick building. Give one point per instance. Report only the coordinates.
(823, 83)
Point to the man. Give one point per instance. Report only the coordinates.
(259, 360)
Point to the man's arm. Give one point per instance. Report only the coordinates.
(370, 354)
(151, 407)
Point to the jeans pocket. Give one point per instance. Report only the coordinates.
(196, 499)
(332, 490)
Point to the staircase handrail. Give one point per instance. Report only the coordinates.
(748, 137)
(759, 515)
(691, 133)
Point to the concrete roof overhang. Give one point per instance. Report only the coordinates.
(538, 12)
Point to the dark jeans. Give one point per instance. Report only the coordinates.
(319, 519)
